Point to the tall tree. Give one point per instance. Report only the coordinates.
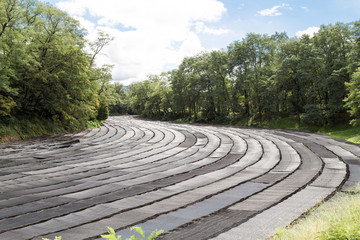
(44, 68)
(294, 75)
(353, 98)
(332, 45)
(102, 40)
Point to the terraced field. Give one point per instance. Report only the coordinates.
(195, 182)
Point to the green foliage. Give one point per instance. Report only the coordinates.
(337, 218)
(56, 238)
(341, 233)
(45, 71)
(111, 235)
(6, 104)
(151, 98)
(313, 115)
(154, 234)
(353, 98)
(94, 123)
(103, 111)
(260, 78)
(118, 100)
(139, 230)
(12, 128)
(349, 133)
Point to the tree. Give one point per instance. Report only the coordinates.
(118, 102)
(294, 74)
(96, 47)
(332, 45)
(152, 97)
(9, 16)
(252, 65)
(44, 69)
(353, 98)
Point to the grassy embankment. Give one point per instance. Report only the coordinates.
(15, 129)
(338, 218)
(344, 131)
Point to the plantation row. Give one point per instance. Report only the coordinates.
(315, 80)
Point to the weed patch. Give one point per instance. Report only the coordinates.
(339, 218)
(112, 235)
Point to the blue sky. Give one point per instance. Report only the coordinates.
(152, 36)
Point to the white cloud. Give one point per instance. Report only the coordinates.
(310, 31)
(150, 35)
(274, 11)
(89, 26)
(202, 28)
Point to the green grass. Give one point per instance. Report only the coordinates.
(15, 129)
(338, 218)
(346, 132)
(94, 123)
(288, 123)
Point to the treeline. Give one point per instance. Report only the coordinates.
(48, 71)
(45, 72)
(315, 80)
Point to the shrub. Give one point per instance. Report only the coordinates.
(103, 112)
(313, 115)
(112, 236)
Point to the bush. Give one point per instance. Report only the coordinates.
(112, 236)
(103, 112)
(94, 123)
(153, 235)
(313, 115)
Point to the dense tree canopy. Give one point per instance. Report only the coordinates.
(260, 78)
(44, 68)
(45, 72)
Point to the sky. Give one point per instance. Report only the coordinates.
(153, 36)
